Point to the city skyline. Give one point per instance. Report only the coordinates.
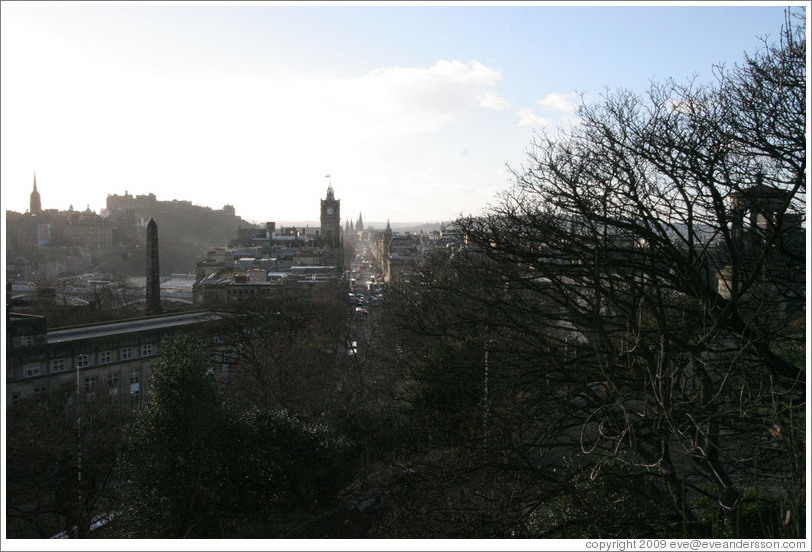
(411, 113)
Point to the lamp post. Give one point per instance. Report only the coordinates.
(488, 343)
(78, 449)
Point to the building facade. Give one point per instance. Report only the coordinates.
(115, 358)
(44, 244)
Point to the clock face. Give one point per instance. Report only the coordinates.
(329, 210)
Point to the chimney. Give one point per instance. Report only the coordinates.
(153, 273)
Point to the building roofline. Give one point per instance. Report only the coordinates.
(133, 325)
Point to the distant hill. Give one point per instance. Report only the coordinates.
(415, 227)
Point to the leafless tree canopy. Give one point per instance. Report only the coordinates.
(640, 290)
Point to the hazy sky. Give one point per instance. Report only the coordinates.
(413, 111)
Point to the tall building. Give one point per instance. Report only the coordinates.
(35, 203)
(331, 219)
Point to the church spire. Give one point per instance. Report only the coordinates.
(35, 204)
(360, 226)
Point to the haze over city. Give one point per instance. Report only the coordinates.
(532, 272)
(413, 111)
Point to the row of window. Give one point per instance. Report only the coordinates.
(40, 391)
(113, 382)
(217, 339)
(31, 369)
(264, 290)
(28, 341)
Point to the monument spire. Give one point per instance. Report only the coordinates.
(153, 272)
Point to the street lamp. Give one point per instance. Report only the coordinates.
(78, 448)
(488, 343)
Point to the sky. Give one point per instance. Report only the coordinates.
(412, 113)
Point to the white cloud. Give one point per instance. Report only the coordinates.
(382, 104)
(529, 119)
(491, 100)
(559, 102)
(554, 104)
(414, 100)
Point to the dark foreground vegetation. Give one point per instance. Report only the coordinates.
(617, 352)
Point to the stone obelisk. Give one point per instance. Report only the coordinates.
(153, 273)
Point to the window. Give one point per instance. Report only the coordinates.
(58, 365)
(126, 353)
(26, 340)
(105, 357)
(82, 361)
(112, 383)
(90, 384)
(31, 369)
(135, 398)
(202, 341)
(226, 371)
(41, 394)
(218, 338)
(146, 350)
(135, 377)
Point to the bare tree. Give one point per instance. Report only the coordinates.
(640, 292)
(286, 349)
(61, 455)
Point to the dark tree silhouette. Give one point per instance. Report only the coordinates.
(639, 294)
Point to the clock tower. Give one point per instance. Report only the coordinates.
(331, 219)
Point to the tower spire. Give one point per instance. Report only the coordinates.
(35, 204)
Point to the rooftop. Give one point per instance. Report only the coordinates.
(91, 331)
